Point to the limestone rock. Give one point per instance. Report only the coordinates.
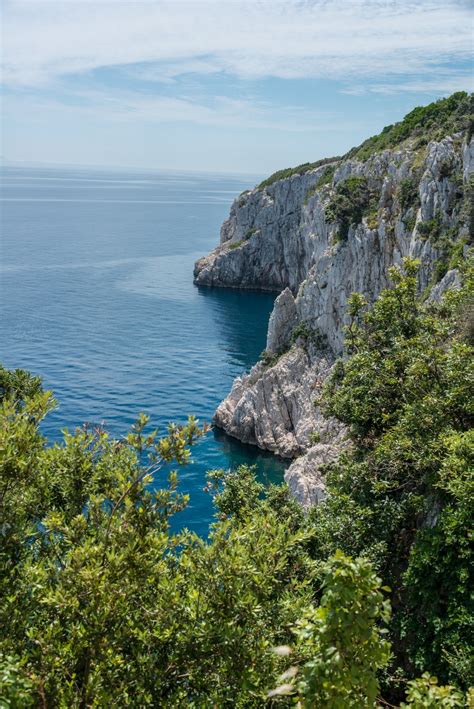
(276, 408)
(282, 322)
(282, 237)
(451, 281)
(304, 477)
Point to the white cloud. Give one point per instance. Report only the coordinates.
(343, 39)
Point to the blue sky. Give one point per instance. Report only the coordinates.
(220, 85)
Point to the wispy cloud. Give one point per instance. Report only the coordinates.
(342, 39)
(128, 106)
(233, 84)
(438, 84)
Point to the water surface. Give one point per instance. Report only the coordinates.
(97, 298)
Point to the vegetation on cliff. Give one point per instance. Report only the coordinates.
(447, 116)
(101, 603)
(298, 170)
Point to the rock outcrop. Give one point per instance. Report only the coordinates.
(294, 236)
(283, 321)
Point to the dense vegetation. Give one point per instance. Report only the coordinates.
(101, 604)
(432, 122)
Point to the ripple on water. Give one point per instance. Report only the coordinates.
(97, 298)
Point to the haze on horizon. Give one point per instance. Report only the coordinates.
(218, 85)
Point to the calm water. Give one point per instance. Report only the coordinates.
(97, 297)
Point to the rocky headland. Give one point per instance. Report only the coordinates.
(318, 233)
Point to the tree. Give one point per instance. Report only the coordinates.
(401, 495)
(100, 600)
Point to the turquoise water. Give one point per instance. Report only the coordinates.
(97, 298)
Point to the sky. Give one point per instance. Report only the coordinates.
(220, 85)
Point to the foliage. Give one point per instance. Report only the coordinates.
(325, 179)
(447, 241)
(304, 333)
(101, 600)
(431, 229)
(15, 686)
(434, 121)
(269, 359)
(425, 693)
(314, 437)
(408, 193)
(401, 495)
(236, 244)
(439, 610)
(299, 170)
(242, 199)
(352, 199)
(18, 384)
(342, 638)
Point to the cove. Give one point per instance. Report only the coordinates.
(97, 298)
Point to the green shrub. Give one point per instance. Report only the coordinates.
(444, 117)
(401, 496)
(409, 222)
(299, 170)
(326, 179)
(426, 693)
(242, 200)
(431, 229)
(342, 640)
(308, 334)
(352, 200)
(446, 169)
(269, 359)
(408, 193)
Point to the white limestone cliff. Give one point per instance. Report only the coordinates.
(283, 237)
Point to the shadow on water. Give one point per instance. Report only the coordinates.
(99, 302)
(231, 308)
(270, 467)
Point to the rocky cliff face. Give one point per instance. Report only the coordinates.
(318, 237)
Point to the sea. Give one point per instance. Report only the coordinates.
(97, 298)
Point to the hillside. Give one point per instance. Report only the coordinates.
(321, 232)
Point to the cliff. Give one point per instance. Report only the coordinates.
(321, 232)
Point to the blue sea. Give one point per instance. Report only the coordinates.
(97, 298)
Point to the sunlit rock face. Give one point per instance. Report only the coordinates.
(285, 237)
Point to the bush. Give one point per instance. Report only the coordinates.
(408, 193)
(444, 117)
(352, 200)
(303, 331)
(425, 693)
(401, 495)
(299, 170)
(342, 640)
(101, 600)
